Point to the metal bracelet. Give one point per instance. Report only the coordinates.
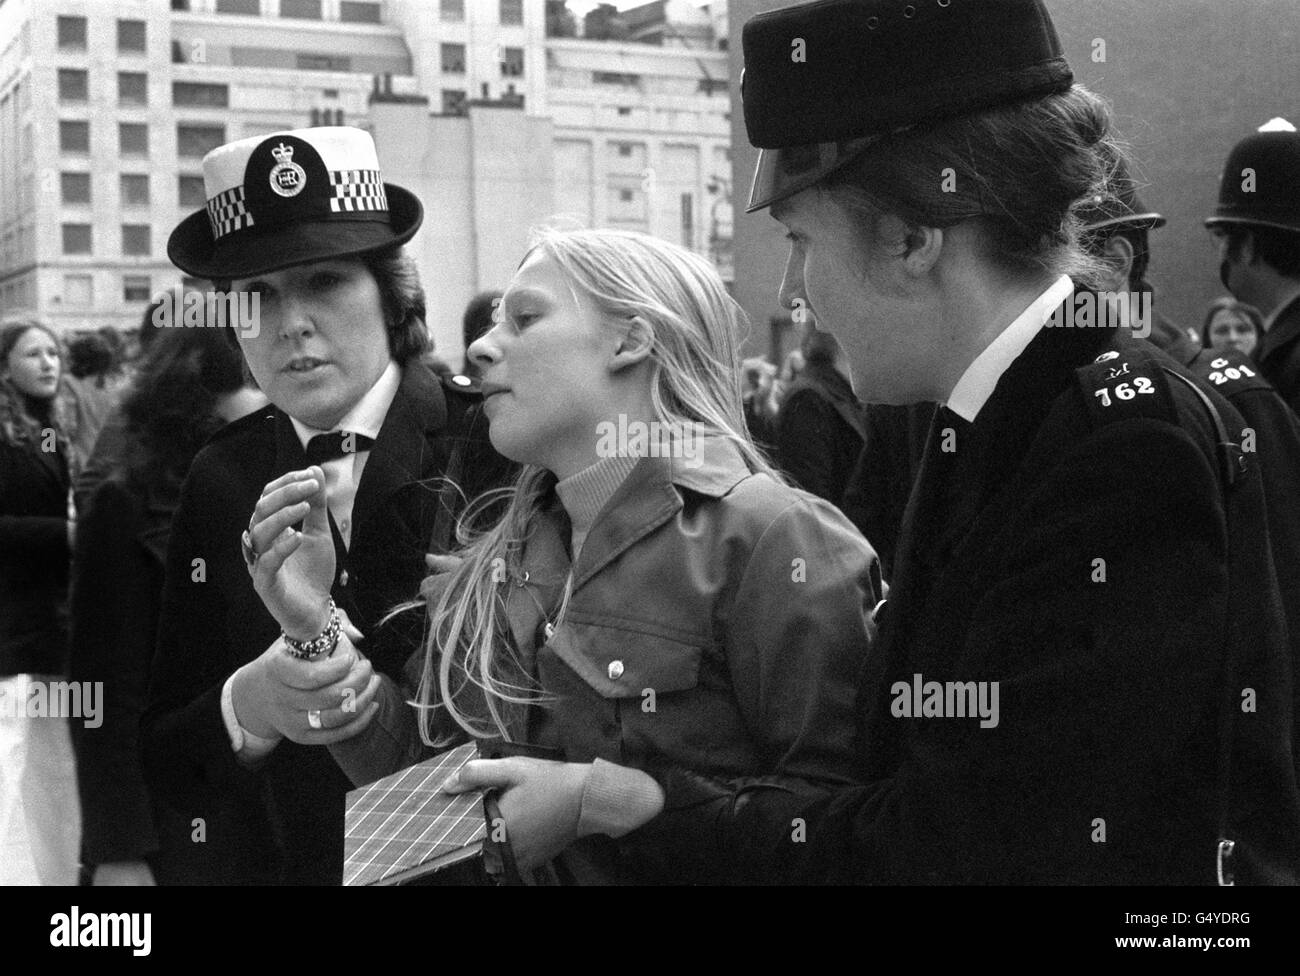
(322, 644)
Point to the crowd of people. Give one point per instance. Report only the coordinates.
(963, 590)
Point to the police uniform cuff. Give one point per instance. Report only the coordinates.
(617, 800)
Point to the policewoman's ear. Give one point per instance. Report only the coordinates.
(917, 246)
(634, 344)
(1118, 255)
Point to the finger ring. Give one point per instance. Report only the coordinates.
(246, 547)
(313, 718)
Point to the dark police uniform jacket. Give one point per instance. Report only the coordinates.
(1079, 548)
(282, 820)
(1278, 354)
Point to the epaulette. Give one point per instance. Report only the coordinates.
(246, 422)
(1229, 372)
(1124, 384)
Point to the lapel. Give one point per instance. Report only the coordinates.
(649, 497)
(1285, 331)
(406, 445)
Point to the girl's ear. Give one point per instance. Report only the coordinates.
(633, 346)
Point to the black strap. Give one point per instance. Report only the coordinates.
(1232, 466)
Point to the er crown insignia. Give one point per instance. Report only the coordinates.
(287, 177)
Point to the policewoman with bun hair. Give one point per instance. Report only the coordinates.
(358, 434)
(1081, 674)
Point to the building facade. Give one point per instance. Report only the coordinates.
(108, 106)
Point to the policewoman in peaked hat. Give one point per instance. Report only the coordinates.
(303, 524)
(925, 158)
(1257, 221)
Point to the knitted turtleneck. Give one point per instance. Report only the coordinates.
(584, 494)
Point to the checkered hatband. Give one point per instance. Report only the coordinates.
(227, 213)
(357, 189)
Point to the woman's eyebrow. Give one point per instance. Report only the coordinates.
(517, 295)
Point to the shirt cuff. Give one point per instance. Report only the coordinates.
(248, 747)
(617, 800)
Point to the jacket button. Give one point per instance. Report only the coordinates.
(615, 670)
(343, 578)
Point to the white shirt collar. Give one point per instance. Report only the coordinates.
(1282, 306)
(976, 384)
(367, 414)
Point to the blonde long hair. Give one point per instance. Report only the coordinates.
(695, 378)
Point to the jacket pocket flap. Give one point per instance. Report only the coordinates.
(620, 663)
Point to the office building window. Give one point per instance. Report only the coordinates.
(452, 10)
(135, 189)
(453, 59)
(190, 191)
(512, 11)
(194, 94)
(133, 138)
(199, 140)
(72, 33)
(79, 290)
(136, 288)
(323, 62)
(238, 7)
(356, 12)
(625, 149)
(74, 137)
(76, 238)
(135, 240)
(74, 85)
(512, 62)
(75, 187)
(300, 9)
(181, 5)
(130, 36)
(453, 101)
(621, 78)
(132, 88)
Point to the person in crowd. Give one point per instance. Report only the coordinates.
(304, 221)
(1116, 228)
(477, 321)
(1257, 222)
(94, 379)
(733, 660)
(1085, 551)
(1231, 325)
(821, 428)
(37, 780)
(190, 384)
(759, 377)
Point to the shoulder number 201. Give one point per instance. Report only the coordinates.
(1126, 391)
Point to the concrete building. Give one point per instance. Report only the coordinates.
(106, 110)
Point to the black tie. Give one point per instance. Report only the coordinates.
(336, 444)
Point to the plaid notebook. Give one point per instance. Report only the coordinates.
(402, 826)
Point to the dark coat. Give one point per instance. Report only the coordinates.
(1278, 355)
(33, 559)
(877, 492)
(282, 821)
(1110, 686)
(116, 601)
(819, 433)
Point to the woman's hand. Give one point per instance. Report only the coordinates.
(294, 569)
(540, 802)
(310, 702)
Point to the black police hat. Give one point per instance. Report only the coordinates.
(823, 81)
(292, 198)
(1260, 184)
(1118, 207)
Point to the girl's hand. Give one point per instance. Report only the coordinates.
(540, 802)
(294, 569)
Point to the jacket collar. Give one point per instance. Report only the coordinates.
(1284, 328)
(650, 496)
